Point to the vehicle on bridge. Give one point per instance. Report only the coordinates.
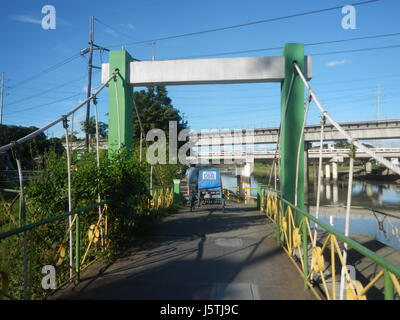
(205, 187)
(210, 188)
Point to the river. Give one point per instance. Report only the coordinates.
(381, 196)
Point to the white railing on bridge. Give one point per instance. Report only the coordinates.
(273, 151)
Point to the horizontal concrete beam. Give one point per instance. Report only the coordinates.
(207, 71)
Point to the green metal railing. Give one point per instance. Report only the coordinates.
(282, 217)
(59, 254)
(163, 197)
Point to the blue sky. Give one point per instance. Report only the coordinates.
(345, 83)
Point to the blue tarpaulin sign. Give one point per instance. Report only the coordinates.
(209, 179)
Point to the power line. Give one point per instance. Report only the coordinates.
(43, 92)
(46, 104)
(280, 48)
(356, 50)
(242, 25)
(47, 70)
(112, 28)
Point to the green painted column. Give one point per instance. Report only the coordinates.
(120, 60)
(177, 192)
(292, 123)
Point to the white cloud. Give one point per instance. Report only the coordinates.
(335, 63)
(128, 26)
(111, 32)
(25, 19)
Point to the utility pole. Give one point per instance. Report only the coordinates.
(90, 50)
(89, 88)
(153, 51)
(1, 99)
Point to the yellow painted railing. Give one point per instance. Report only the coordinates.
(326, 252)
(161, 197)
(226, 190)
(247, 196)
(91, 229)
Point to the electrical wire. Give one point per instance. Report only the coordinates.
(241, 25)
(42, 105)
(47, 70)
(44, 92)
(280, 47)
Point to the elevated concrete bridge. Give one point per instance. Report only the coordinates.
(360, 130)
(312, 154)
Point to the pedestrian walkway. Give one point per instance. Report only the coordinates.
(205, 254)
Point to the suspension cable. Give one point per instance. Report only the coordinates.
(341, 130)
(299, 149)
(321, 146)
(347, 223)
(23, 215)
(51, 124)
(65, 125)
(280, 129)
(147, 144)
(98, 167)
(118, 115)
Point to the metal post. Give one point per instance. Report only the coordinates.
(77, 248)
(291, 131)
(259, 196)
(65, 125)
(140, 151)
(23, 218)
(388, 286)
(177, 196)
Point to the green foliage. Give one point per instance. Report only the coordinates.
(30, 150)
(155, 110)
(90, 128)
(123, 183)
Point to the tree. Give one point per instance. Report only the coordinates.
(155, 111)
(90, 128)
(27, 151)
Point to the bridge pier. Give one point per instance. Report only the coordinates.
(244, 177)
(334, 171)
(368, 167)
(327, 172)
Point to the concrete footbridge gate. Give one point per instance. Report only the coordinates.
(318, 256)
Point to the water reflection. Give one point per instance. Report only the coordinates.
(381, 196)
(375, 195)
(372, 195)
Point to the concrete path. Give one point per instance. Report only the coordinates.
(198, 255)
